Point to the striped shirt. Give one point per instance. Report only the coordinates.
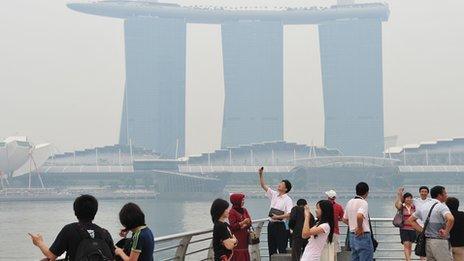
(407, 212)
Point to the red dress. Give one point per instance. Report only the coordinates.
(241, 250)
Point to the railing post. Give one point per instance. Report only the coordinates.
(211, 251)
(255, 253)
(182, 248)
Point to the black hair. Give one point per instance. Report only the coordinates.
(453, 204)
(406, 195)
(362, 188)
(424, 187)
(327, 216)
(288, 185)
(301, 202)
(217, 209)
(437, 190)
(131, 216)
(85, 208)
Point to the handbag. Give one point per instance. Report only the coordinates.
(125, 244)
(398, 220)
(419, 250)
(253, 237)
(274, 211)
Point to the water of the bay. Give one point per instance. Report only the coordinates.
(163, 216)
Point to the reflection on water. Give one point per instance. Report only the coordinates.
(164, 217)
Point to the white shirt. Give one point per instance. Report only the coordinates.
(419, 204)
(313, 249)
(283, 203)
(353, 208)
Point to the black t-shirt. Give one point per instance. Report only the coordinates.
(69, 238)
(457, 232)
(296, 221)
(221, 232)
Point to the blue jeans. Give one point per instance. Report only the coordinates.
(361, 247)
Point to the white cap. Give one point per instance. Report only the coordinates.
(331, 193)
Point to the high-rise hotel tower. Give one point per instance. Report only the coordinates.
(153, 114)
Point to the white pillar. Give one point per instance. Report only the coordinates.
(252, 160)
(449, 156)
(96, 158)
(294, 157)
(426, 157)
(404, 156)
(273, 157)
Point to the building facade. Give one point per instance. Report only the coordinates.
(153, 114)
(154, 102)
(351, 63)
(253, 81)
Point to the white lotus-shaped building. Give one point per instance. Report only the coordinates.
(18, 156)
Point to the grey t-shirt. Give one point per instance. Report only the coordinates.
(437, 217)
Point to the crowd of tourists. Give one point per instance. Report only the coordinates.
(312, 233)
(434, 222)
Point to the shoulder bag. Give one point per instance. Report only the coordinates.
(398, 220)
(419, 250)
(375, 243)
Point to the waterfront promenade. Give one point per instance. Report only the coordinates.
(196, 245)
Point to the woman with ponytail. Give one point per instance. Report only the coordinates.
(320, 234)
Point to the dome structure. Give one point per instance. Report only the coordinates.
(18, 156)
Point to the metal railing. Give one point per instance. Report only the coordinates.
(197, 245)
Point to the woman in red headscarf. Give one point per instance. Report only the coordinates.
(240, 222)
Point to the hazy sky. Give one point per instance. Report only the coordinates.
(62, 75)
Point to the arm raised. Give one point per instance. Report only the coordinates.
(261, 179)
(307, 231)
(399, 201)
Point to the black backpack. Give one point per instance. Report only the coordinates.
(92, 249)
